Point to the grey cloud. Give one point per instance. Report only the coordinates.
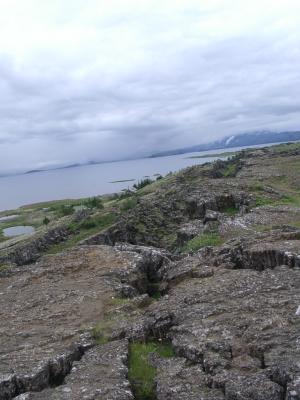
(182, 92)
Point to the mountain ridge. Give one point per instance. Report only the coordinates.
(241, 139)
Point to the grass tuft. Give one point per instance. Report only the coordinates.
(140, 373)
(203, 240)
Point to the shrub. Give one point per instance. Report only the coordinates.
(97, 223)
(88, 224)
(142, 183)
(125, 194)
(65, 209)
(46, 221)
(93, 202)
(128, 204)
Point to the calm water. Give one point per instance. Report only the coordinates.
(8, 218)
(89, 180)
(18, 230)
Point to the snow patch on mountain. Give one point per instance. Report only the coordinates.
(230, 139)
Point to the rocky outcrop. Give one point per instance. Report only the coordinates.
(31, 249)
(169, 223)
(49, 305)
(238, 327)
(234, 329)
(179, 380)
(50, 373)
(263, 251)
(101, 374)
(230, 312)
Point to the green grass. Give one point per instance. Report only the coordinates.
(203, 240)
(290, 199)
(231, 211)
(3, 267)
(282, 148)
(263, 201)
(102, 331)
(256, 187)
(83, 230)
(98, 221)
(140, 373)
(128, 204)
(229, 171)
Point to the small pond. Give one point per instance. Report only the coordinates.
(18, 230)
(8, 217)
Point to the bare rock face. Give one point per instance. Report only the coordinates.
(101, 374)
(180, 381)
(189, 230)
(236, 329)
(49, 308)
(30, 250)
(231, 312)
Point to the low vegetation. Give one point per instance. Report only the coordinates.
(225, 169)
(203, 240)
(141, 373)
(231, 211)
(141, 184)
(93, 202)
(128, 203)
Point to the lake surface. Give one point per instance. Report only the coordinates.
(84, 181)
(18, 230)
(90, 180)
(8, 218)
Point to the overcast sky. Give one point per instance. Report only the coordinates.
(99, 79)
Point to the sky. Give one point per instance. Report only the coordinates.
(88, 80)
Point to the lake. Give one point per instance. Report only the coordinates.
(18, 230)
(90, 180)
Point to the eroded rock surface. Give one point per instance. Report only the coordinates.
(48, 308)
(231, 312)
(101, 374)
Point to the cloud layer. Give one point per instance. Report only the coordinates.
(92, 79)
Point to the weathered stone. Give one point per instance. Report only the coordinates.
(101, 374)
(189, 230)
(179, 381)
(31, 249)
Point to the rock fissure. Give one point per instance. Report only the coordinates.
(50, 374)
(231, 311)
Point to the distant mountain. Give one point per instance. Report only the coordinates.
(239, 140)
